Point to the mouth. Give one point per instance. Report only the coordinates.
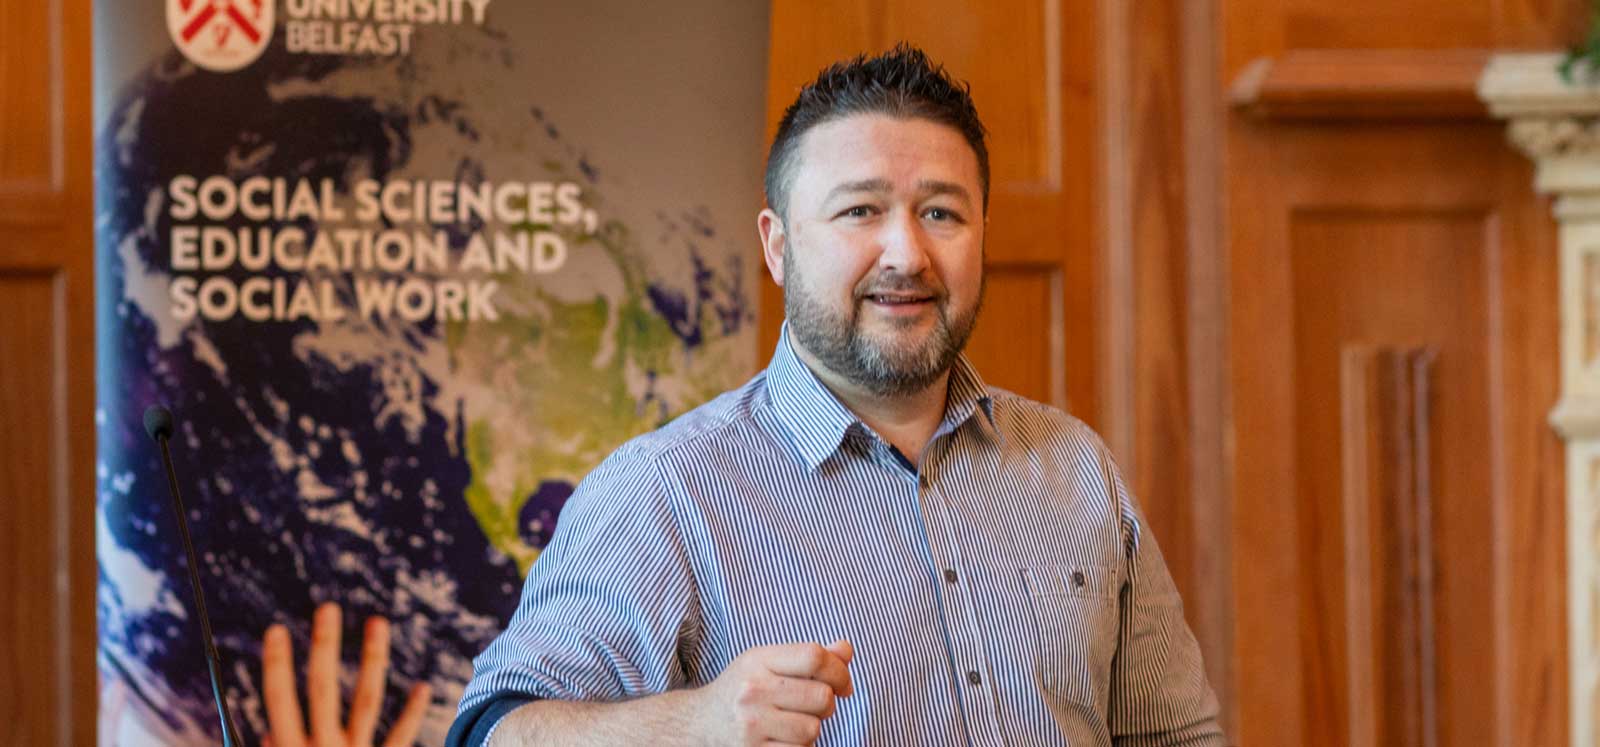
(899, 299)
(900, 307)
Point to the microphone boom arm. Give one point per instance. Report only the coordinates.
(158, 421)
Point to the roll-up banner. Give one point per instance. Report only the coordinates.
(404, 271)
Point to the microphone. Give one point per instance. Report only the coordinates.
(158, 423)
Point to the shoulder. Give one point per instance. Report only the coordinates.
(1063, 443)
(632, 484)
(701, 429)
(1056, 442)
(1032, 425)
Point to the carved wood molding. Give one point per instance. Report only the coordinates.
(1377, 84)
(1389, 546)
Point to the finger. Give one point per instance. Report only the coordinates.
(322, 676)
(846, 651)
(791, 728)
(404, 731)
(797, 659)
(803, 696)
(836, 675)
(842, 649)
(368, 698)
(813, 661)
(277, 689)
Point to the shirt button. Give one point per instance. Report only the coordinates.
(1077, 579)
(950, 575)
(972, 677)
(923, 481)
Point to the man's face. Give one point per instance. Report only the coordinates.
(881, 253)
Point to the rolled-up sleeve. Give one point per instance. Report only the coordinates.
(605, 611)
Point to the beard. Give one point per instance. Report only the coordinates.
(888, 364)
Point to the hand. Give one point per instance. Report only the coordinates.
(285, 727)
(776, 695)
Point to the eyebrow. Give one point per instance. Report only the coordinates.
(864, 185)
(926, 186)
(934, 187)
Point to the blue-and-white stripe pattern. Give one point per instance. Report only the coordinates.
(1008, 594)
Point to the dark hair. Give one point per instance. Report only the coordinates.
(901, 83)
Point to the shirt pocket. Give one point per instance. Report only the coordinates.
(1075, 612)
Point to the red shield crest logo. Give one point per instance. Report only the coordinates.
(220, 35)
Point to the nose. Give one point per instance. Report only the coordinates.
(904, 249)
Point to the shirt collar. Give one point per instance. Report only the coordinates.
(817, 422)
(968, 394)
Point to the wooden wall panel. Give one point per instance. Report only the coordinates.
(30, 151)
(1017, 343)
(1336, 259)
(1392, 235)
(1256, 28)
(1165, 394)
(1381, 24)
(1250, 30)
(1359, 136)
(47, 653)
(35, 685)
(1016, 85)
(1529, 527)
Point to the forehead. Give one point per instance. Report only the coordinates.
(879, 146)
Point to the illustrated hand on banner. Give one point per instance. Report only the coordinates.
(285, 724)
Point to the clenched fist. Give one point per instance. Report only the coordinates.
(776, 696)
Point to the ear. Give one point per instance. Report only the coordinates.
(774, 241)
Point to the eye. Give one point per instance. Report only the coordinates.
(858, 211)
(942, 215)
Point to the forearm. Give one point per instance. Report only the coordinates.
(667, 719)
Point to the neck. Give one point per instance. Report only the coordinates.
(906, 421)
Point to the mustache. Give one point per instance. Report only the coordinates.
(899, 284)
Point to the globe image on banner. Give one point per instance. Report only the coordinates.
(331, 448)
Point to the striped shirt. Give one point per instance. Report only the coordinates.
(1004, 592)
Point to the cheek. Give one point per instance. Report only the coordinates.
(840, 269)
(962, 274)
(826, 277)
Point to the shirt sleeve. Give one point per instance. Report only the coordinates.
(606, 608)
(1159, 692)
(475, 726)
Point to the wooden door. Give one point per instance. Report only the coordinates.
(47, 560)
(1397, 510)
(1037, 94)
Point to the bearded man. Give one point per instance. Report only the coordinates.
(864, 544)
